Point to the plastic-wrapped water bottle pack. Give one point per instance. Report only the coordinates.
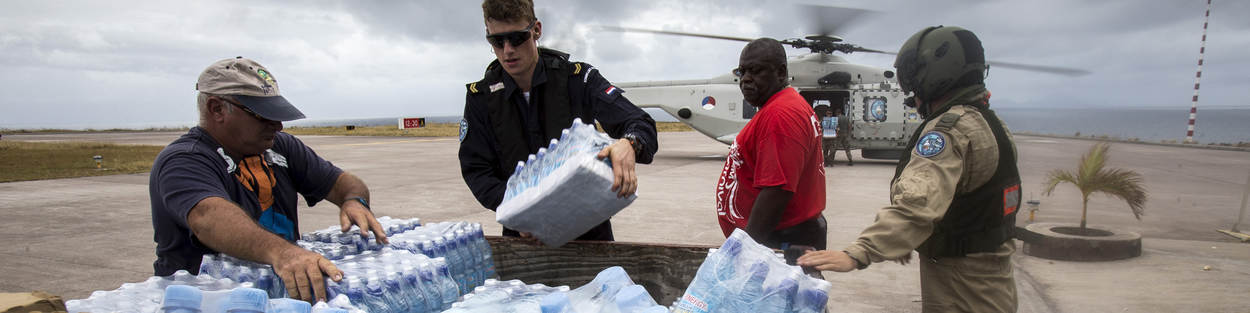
(612, 291)
(462, 244)
(393, 280)
(563, 182)
(183, 292)
(745, 276)
(333, 243)
(189, 299)
(504, 296)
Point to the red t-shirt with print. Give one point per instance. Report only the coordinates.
(780, 146)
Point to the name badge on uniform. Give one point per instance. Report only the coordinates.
(496, 87)
(930, 144)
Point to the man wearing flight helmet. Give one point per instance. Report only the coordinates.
(954, 197)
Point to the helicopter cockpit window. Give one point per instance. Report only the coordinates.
(874, 109)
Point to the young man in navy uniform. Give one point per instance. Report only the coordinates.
(528, 95)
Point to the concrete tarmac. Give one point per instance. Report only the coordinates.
(74, 236)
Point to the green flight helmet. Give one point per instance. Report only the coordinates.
(938, 59)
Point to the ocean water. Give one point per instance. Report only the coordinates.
(1212, 126)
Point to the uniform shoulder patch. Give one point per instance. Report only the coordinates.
(472, 87)
(464, 128)
(931, 144)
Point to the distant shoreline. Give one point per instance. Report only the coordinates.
(1241, 146)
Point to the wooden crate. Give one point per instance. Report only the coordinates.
(663, 269)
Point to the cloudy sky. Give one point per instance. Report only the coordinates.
(76, 64)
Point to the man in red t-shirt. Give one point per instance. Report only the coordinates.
(773, 183)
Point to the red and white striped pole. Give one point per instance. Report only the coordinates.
(1193, 110)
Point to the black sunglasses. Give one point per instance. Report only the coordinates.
(245, 110)
(752, 70)
(516, 38)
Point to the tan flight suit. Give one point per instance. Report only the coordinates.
(978, 282)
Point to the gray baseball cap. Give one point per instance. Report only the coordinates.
(251, 84)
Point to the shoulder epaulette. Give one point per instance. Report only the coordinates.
(473, 87)
(578, 66)
(946, 121)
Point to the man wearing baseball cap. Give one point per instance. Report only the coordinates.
(230, 185)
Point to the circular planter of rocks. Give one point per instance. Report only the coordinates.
(1068, 242)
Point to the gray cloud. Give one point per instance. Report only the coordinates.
(104, 64)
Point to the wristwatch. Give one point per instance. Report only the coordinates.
(634, 142)
(362, 202)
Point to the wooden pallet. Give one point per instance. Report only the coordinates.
(663, 269)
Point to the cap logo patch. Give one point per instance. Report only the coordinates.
(269, 81)
(931, 144)
(265, 75)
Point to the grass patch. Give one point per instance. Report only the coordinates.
(430, 130)
(672, 127)
(20, 161)
(91, 130)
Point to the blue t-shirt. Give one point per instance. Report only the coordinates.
(195, 167)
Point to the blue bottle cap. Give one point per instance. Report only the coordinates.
(291, 305)
(182, 296)
(634, 296)
(247, 300)
(555, 302)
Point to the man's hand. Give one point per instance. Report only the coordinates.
(625, 181)
(301, 272)
(827, 260)
(354, 213)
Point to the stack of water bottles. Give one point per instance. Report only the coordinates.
(745, 276)
(462, 244)
(612, 291)
(189, 299)
(393, 280)
(334, 244)
(505, 296)
(183, 292)
(564, 190)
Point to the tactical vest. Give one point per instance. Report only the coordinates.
(552, 101)
(980, 220)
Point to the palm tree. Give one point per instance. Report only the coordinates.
(1092, 177)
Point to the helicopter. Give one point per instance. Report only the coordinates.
(871, 98)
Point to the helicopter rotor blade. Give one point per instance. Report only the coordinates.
(862, 49)
(666, 32)
(829, 20)
(1040, 68)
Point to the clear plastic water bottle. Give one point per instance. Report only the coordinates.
(488, 261)
(396, 295)
(209, 266)
(182, 299)
(447, 284)
(375, 295)
(421, 298)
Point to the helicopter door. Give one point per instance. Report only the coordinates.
(748, 111)
(829, 98)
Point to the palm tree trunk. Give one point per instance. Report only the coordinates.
(1084, 207)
